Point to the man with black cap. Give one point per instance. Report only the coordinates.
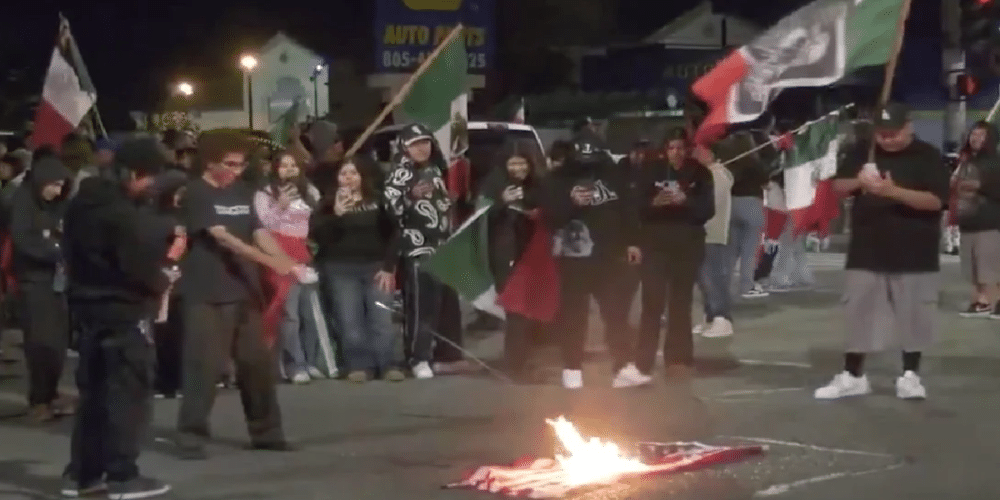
(115, 282)
(893, 258)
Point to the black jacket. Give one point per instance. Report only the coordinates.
(115, 252)
(696, 183)
(985, 213)
(510, 227)
(35, 224)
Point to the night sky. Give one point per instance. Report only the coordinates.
(134, 50)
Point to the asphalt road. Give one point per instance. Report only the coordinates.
(382, 441)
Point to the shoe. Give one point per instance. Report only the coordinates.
(844, 385)
(41, 414)
(315, 374)
(978, 310)
(167, 395)
(71, 488)
(909, 387)
(64, 406)
(394, 375)
(357, 377)
(756, 292)
(630, 376)
(135, 489)
(996, 312)
(720, 327)
(422, 371)
(281, 446)
(572, 379)
(301, 377)
(700, 328)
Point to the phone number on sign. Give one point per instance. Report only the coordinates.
(403, 59)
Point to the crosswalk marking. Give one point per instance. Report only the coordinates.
(837, 260)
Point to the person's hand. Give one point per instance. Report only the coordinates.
(677, 197)
(512, 194)
(385, 281)
(422, 190)
(283, 266)
(634, 255)
(284, 199)
(342, 203)
(883, 187)
(533, 214)
(294, 133)
(662, 199)
(581, 196)
(703, 155)
(172, 275)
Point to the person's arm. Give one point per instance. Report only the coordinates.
(701, 199)
(264, 241)
(267, 209)
(140, 253)
(397, 194)
(27, 239)
(845, 180)
(933, 192)
(297, 149)
(989, 180)
(392, 234)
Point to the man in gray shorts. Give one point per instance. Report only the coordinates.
(977, 183)
(891, 290)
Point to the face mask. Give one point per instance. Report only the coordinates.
(223, 177)
(136, 187)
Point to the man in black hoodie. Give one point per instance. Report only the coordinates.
(35, 226)
(977, 182)
(589, 200)
(113, 254)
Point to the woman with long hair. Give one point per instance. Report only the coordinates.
(285, 206)
(357, 253)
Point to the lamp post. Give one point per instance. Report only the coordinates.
(315, 80)
(185, 89)
(249, 62)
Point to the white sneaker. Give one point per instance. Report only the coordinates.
(720, 327)
(301, 377)
(844, 385)
(315, 374)
(423, 371)
(572, 379)
(630, 376)
(757, 292)
(909, 387)
(700, 328)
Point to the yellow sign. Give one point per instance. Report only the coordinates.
(415, 34)
(446, 5)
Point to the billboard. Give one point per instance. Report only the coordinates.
(406, 31)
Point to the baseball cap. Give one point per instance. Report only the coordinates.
(413, 133)
(892, 116)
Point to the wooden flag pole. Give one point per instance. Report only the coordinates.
(404, 91)
(993, 111)
(890, 67)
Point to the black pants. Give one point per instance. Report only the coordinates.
(213, 333)
(669, 273)
(46, 339)
(114, 377)
(601, 279)
(169, 344)
(519, 341)
(449, 325)
(422, 299)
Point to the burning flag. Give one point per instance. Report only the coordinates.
(67, 94)
(814, 46)
(592, 462)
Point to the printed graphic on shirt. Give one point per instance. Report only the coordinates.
(574, 240)
(233, 210)
(602, 194)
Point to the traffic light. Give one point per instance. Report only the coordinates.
(980, 25)
(966, 85)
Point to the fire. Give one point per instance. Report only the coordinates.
(591, 461)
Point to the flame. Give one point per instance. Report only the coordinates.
(591, 461)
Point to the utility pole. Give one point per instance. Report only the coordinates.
(953, 62)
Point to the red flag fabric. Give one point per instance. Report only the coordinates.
(817, 217)
(67, 94)
(532, 290)
(277, 287)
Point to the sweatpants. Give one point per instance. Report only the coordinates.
(169, 344)
(213, 333)
(115, 378)
(602, 279)
(422, 299)
(669, 273)
(46, 339)
(449, 325)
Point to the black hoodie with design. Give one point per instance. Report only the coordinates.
(36, 224)
(980, 210)
(424, 223)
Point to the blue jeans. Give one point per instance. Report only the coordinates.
(366, 330)
(714, 282)
(298, 329)
(746, 227)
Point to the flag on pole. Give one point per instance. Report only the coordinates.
(279, 132)
(520, 114)
(439, 94)
(814, 46)
(531, 290)
(809, 171)
(68, 94)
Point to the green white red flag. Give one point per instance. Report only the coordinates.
(68, 94)
(811, 165)
(814, 46)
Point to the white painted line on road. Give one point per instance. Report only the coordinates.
(779, 489)
(809, 446)
(753, 392)
(775, 363)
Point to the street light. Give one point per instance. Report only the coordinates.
(185, 89)
(249, 62)
(315, 79)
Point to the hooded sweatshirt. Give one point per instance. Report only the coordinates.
(36, 224)
(980, 210)
(510, 227)
(694, 180)
(115, 252)
(425, 223)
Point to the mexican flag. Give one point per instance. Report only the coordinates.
(284, 123)
(813, 47)
(438, 97)
(811, 165)
(462, 263)
(68, 94)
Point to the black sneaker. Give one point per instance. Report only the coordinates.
(977, 310)
(273, 446)
(71, 488)
(135, 489)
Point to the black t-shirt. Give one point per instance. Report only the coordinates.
(887, 236)
(212, 273)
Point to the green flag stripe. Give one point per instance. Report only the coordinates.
(430, 98)
(871, 32)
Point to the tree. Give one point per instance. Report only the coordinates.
(176, 120)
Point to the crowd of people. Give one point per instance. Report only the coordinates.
(179, 264)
